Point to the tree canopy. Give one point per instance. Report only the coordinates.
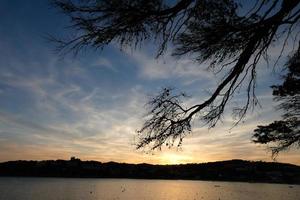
(219, 32)
(284, 133)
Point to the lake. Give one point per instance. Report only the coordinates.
(133, 189)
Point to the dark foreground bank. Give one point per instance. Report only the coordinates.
(232, 170)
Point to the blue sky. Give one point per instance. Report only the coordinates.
(90, 106)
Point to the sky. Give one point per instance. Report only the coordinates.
(90, 106)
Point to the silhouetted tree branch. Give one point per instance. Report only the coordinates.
(209, 30)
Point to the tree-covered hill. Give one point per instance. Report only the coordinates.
(232, 170)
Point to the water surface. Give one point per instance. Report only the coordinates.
(132, 189)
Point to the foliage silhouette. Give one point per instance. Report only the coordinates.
(217, 32)
(231, 170)
(284, 133)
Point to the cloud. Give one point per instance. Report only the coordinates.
(25, 125)
(105, 63)
(168, 67)
(67, 118)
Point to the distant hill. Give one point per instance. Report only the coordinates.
(231, 170)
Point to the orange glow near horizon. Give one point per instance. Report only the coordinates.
(164, 157)
(175, 159)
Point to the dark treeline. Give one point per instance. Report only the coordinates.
(233, 170)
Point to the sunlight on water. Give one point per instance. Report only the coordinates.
(130, 189)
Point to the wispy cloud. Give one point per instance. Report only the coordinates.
(93, 123)
(105, 63)
(167, 67)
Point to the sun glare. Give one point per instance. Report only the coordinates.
(175, 159)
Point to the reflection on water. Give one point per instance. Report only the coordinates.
(131, 189)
